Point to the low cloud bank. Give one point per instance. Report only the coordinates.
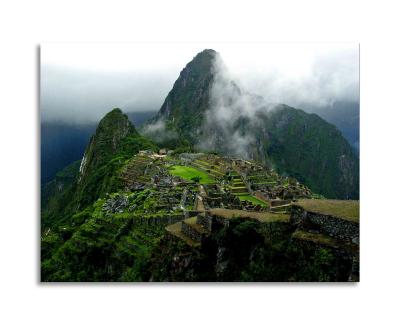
(230, 109)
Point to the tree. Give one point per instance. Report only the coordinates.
(196, 179)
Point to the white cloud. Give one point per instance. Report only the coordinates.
(84, 81)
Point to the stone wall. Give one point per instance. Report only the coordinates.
(205, 220)
(261, 196)
(329, 225)
(335, 227)
(275, 203)
(161, 220)
(191, 232)
(297, 214)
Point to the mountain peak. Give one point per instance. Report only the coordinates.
(113, 128)
(190, 91)
(206, 54)
(115, 122)
(207, 110)
(203, 62)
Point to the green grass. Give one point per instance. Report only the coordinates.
(344, 209)
(252, 199)
(188, 173)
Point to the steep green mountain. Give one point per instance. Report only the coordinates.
(313, 151)
(114, 142)
(346, 117)
(207, 110)
(62, 143)
(186, 103)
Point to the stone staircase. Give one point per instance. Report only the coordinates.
(238, 187)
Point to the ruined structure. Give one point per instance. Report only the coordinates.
(192, 212)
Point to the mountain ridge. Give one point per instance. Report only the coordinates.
(218, 116)
(113, 143)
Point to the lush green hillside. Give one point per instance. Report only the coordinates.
(92, 246)
(298, 144)
(115, 141)
(130, 227)
(313, 151)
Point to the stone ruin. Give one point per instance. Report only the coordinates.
(162, 178)
(272, 186)
(115, 204)
(188, 197)
(216, 198)
(137, 173)
(308, 229)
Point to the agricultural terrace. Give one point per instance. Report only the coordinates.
(253, 200)
(345, 209)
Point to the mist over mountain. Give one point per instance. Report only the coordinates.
(81, 82)
(78, 88)
(206, 109)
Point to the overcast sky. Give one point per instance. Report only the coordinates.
(81, 82)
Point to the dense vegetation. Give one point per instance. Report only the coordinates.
(247, 251)
(113, 144)
(326, 162)
(95, 247)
